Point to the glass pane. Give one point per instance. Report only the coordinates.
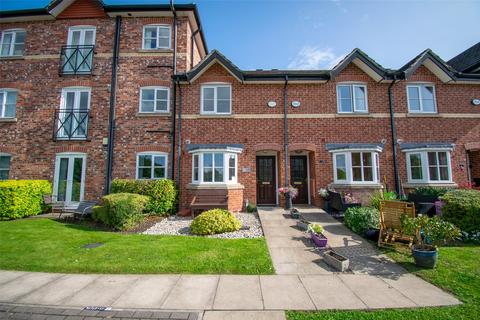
(70, 100)
(162, 94)
(413, 99)
(346, 105)
(159, 161)
(62, 179)
(416, 173)
(207, 160)
(195, 161)
(367, 174)
(150, 43)
(444, 173)
(163, 42)
(75, 40)
(20, 37)
(148, 94)
(5, 50)
(10, 111)
(442, 158)
(341, 174)
(344, 92)
(340, 160)
(163, 32)
(414, 105)
(413, 93)
(89, 34)
(218, 174)
(159, 173)
(367, 159)
(427, 92)
(3, 174)
(195, 174)
(208, 93)
(195, 167)
(148, 106)
(433, 173)
(207, 174)
(428, 105)
(232, 168)
(223, 93)
(357, 174)
(145, 161)
(162, 105)
(7, 40)
(432, 158)
(150, 32)
(208, 105)
(77, 179)
(4, 162)
(84, 100)
(219, 160)
(415, 160)
(223, 106)
(360, 104)
(144, 173)
(18, 49)
(1, 103)
(356, 159)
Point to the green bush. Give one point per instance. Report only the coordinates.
(360, 219)
(162, 193)
(434, 192)
(462, 208)
(251, 208)
(214, 221)
(378, 196)
(22, 198)
(121, 211)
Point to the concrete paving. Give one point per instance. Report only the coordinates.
(220, 292)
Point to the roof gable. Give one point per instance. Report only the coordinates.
(364, 62)
(74, 9)
(212, 58)
(432, 62)
(468, 60)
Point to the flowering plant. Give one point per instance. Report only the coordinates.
(293, 192)
(322, 192)
(349, 198)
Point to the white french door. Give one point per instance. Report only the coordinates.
(69, 181)
(73, 117)
(80, 51)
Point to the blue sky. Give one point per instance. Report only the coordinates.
(316, 34)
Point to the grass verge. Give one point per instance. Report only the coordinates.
(51, 246)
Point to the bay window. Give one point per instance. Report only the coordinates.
(356, 167)
(428, 166)
(214, 167)
(151, 165)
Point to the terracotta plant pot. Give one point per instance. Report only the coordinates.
(319, 239)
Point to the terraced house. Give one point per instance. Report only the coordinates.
(93, 92)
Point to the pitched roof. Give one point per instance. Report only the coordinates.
(468, 60)
(432, 61)
(364, 62)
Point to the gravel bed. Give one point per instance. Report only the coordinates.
(180, 226)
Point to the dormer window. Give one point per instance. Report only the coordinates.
(156, 37)
(12, 43)
(352, 98)
(421, 98)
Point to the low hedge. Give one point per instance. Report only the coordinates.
(22, 198)
(121, 211)
(215, 221)
(162, 193)
(360, 219)
(462, 208)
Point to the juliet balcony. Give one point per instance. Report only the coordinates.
(76, 60)
(70, 124)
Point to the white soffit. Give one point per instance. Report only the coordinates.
(365, 68)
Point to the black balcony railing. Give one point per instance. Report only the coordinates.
(70, 124)
(76, 59)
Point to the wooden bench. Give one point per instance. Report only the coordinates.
(209, 199)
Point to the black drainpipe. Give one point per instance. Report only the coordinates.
(191, 46)
(394, 136)
(288, 199)
(113, 97)
(174, 100)
(179, 146)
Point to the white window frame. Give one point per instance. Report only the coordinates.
(352, 97)
(226, 167)
(12, 44)
(425, 166)
(152, 154)
(3, 103)
(156, 88)
(214, 86)
(419, 88)
(349, 169)
(83, 30)
(158, 26)
(2, 154)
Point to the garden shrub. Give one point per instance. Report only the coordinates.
(22, 198)
(378, 196)
(214, 221)
(121, 211)
(433, 192)
(360, 219)
(462, 208)
(162, 193)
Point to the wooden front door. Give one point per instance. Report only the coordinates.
(266, 180)
(299, 178)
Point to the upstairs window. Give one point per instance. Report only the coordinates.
(356, 167)
(12, 43)
(421, 98)
(216, 99)
(428, 167)
(151, 165)
(352, 98)
(156, 37)
(4, 166)
(8, 103)
(154, 99)
(214, 167)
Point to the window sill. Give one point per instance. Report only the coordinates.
(194, 186)
(12, 58)
(153, 114)
(357, 186)
(8, 119)
(155, 51)
(423, 115)
(429, 184)
(353, 114)
(216, 115)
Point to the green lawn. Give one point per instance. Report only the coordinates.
(458, 271)
(51, 246)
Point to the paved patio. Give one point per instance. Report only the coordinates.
(292, 251)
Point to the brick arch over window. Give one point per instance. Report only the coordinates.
(302, 146)
(153, 148)
(78, 83)
(72, 148)
(154, 82)
(268, 147)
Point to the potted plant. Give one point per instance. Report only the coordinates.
(428, 232)
(324, 195)
(316, 233)
(288, 193)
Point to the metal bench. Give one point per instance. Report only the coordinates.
(209, 199)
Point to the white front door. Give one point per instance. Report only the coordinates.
(69, 182)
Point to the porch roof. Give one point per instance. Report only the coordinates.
(426, 145)
(235, 147)
(353, 146)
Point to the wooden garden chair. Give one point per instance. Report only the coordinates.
(391, 213)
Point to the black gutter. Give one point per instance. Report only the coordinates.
(394, 136)
(174, 100)
(113, 97)
(288, 199)
(24, 13)
(192, 39)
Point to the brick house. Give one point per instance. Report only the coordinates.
(105, 83)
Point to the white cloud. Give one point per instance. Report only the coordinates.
(310, 57)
